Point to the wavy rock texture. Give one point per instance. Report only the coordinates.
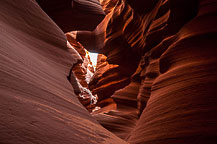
(106, 80)
(156, 80)
(81, 72)
(120, 37)
(182, 105)
(170, 18)
(176, 39)
(122, 119)
(38, 104)
(79, 69)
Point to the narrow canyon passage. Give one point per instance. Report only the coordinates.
(108, 72)
(116, 112)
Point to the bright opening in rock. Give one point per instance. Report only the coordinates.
(93, 59)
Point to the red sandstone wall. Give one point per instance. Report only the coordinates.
(159, 69)
(37, 102)
(177, 42)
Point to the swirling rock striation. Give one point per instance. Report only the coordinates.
(38, 104)
(175, 42)
(182, 103)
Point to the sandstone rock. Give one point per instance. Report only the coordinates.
(182, 103)
(38, 104)
(74, 14)
(155, 79)
(81, 73)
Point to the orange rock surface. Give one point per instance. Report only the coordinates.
(156, 74)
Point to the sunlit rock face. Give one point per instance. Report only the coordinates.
(155, 78)
(172, 44)
(82, 72)
(80, 69)
(107, 79)
(120, 37)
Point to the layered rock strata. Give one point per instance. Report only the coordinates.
(157, 76)
(177, 98)
(82, 72)
(38, 104)
(182, 103)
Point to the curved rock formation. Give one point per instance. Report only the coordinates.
(177, 68)
(156, 75)
(82, 72)
(122, 119)
(182, 106)
(170, 18)
(121, 37)
(38, 104)
(74, 14)
(113, 41)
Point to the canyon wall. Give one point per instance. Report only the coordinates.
(38, 104)
(180, 78)
(156, 76)
(171, 45)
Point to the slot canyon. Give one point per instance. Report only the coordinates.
(108, 71)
